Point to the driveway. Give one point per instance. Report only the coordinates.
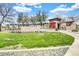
(74, 49)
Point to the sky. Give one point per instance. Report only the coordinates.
(52, 9)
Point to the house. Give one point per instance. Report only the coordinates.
(77, 23)
(54, 23)
(68, 25)
(59, 23)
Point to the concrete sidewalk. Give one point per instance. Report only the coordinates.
(74, 49)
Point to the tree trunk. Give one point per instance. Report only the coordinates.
(0, 26)
(41, 23)
(1, 22)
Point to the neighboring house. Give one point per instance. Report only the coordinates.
(68, 25)
(58, 23)
(77, 25)
(54, 23)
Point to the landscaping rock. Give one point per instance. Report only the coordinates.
(19, 46)
(36, 52)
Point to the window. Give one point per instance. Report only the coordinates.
(68, 24)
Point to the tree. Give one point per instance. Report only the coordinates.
(5, 12)
(23, 18)
(33, 19)
(74, 17)
(20, 17)
(26, 19)
(41, 17)
(38, 17)
(44, 16)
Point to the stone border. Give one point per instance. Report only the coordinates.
(51, 51)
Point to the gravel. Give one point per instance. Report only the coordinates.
(60, 51)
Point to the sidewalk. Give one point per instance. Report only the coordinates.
(74, 49)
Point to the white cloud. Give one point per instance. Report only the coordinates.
(60, 10)
(21, 4)
(63, 9)
(33, 4)
(62, 6)
(75, 6)
(22, 9)
(38, 6)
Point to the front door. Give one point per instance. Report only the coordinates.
(58, 26)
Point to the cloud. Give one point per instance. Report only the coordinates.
(33, 4)
(63, 9)
(29, 4)
(22, 9)
(38, 6)
(21, 4)
(62, 6)
(75, 6)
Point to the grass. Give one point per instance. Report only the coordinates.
(32, 40)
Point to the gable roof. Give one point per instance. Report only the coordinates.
(56, 19)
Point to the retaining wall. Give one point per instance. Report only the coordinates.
(58, 51)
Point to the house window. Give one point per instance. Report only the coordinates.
(68, 24)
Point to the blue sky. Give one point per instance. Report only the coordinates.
(53, 9)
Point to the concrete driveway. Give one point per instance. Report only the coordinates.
(74, 49)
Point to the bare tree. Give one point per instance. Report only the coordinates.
(20, 17)
(33, 19)
(41, 17)
(5, 12)
(23, 18)
(74, 17)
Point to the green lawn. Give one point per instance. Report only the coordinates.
(31, 40)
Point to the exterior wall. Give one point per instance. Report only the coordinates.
(30, 28)
(78, 27)
(45, 26)
(72, 27)
(65, 27)
(53, 24)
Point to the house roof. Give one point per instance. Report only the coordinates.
(57, 19)
(68, 21)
